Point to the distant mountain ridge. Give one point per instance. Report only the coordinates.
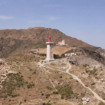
(19, 41)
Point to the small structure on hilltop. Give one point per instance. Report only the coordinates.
(61, 43)
(70, 54)
(49, 55)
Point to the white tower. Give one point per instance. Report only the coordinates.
(49, 55)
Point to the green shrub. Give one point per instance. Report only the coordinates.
(60, 77)
(49, 88)
(62, 96)
(42, 54)
(48, 104)
(101, 103)
(85, 65)
(93, 72)
(15, 95)
(83, 94)
(13, 81)
(71, 77)
(34, 72)
(56, 56)
(63, 55)
(47, 95)
(30, 85)
(25, 100)
(29, 77)
(80, 104)
(93, 84)
(5, 96)
(55, 92)
(42, 94)
(65, 91)
(87, 71)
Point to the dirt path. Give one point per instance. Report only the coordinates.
(78, 79)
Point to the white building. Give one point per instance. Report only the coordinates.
(70, 54)
(61, 42)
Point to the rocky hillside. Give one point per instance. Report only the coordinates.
(96, 53)
(24, 81)
(20, 41)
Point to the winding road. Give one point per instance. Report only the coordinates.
(78, 79)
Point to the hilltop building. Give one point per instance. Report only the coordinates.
(61, 43)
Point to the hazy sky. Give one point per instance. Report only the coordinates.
(82, 19)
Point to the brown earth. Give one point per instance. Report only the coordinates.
(35, 86)
(58, 50)
(14, 41)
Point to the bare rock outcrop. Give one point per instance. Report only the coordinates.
(96, 53)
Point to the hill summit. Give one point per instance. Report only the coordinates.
(75, 77)
(20, 41)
